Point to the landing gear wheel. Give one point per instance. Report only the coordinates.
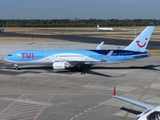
(17, 68)
(83, 69)
(82, 73)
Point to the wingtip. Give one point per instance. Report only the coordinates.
(114, 92)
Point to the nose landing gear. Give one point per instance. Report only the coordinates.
(16, 66)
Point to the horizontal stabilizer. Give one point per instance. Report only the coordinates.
(106, 58)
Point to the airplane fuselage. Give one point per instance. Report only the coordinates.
(105, 29)
(93, 56)
(153, 114)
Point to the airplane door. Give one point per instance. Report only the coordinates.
(19, 56)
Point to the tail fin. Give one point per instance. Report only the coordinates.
(97, 26)
(141, 42)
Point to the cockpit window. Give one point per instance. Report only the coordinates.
(9, 54)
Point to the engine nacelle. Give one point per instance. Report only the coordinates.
(60, 65)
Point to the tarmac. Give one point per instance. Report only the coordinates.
(39, 92)
(83, 38)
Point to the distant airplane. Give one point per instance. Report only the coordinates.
(151, 112)
(62, 59)
(104, 28)
(1, 29)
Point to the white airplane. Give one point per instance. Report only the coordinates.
(151, 112)
(104, 28)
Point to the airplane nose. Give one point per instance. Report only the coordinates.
(7, 58)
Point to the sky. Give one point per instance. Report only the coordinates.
(81, 9)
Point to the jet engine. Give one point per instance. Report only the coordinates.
(60, 65)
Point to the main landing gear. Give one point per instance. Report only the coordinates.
(82, 69)
(16, 66)
(82, 73)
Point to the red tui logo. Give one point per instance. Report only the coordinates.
(27, 55)
(141, 46)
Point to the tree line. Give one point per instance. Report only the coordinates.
(77, 23)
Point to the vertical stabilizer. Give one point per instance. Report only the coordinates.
(141, 42)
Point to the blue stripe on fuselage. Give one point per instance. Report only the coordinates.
(118, 52)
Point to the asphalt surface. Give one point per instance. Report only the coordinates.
(82, 38)
(41, 93)
(68, 95)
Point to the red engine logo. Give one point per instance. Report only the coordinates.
(27, 55)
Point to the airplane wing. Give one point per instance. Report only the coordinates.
(100, 45)
(72, 63)
(134, 102)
